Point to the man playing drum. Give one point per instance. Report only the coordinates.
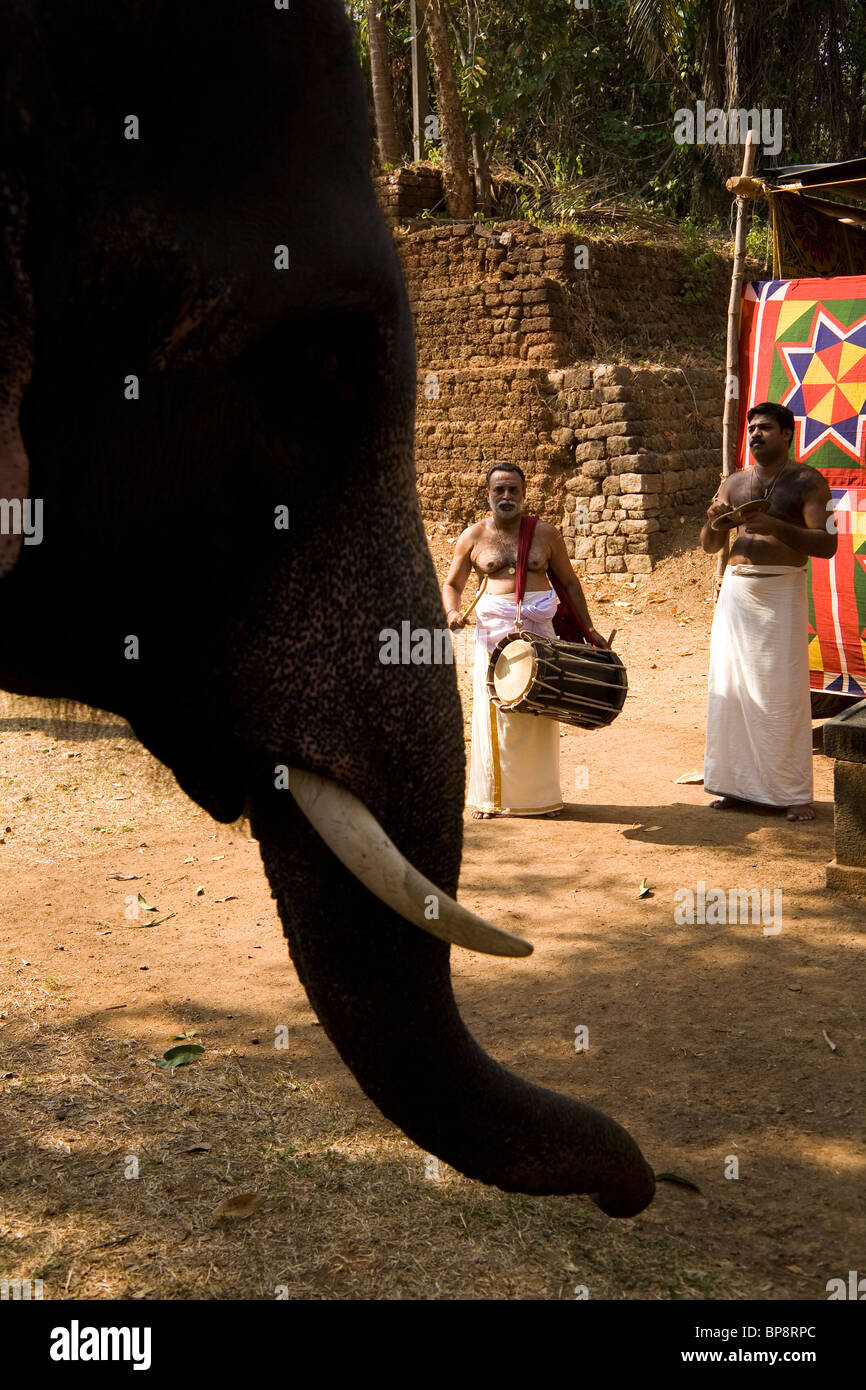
(759, 730)
(514, 762)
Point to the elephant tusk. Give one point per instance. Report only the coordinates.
(354, 835)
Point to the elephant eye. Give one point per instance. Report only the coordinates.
(326, 363)
(326, 367)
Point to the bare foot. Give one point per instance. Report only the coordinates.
(727, 803)
(806, 812)
(481, 815)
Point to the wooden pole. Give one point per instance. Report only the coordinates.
(732, 355)
(420, 104)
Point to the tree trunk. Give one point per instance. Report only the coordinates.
(383, 98)
(456, 177)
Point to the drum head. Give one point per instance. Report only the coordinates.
(514, 670)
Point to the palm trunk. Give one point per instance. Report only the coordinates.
(383, 98)
(456, 177)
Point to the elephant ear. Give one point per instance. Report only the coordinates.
(16, 329)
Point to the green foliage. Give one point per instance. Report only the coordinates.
(757, 246)
(590, 95)
(700, 263)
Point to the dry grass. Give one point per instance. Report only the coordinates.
(348, 1209)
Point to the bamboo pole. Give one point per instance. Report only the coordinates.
(732, 354)
(420, 103)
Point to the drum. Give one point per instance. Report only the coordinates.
(569, 681)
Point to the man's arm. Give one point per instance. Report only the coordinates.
(458, 574)
(712, 541)
(813, 538)
(561, 566)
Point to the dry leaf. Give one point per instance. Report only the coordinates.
(829, 1041)
(690, 778)
(795, 1269)
(198, 1149)
(238, 1207)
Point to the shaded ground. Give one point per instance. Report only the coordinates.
(708, 1042)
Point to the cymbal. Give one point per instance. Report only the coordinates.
(728, 520)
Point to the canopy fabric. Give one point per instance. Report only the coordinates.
(814, 237)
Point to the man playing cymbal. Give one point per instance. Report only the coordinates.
(759, 732)
(514, 762)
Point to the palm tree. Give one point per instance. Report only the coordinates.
(456, 177)
(807, 54)
(383, 97)
(663, 31)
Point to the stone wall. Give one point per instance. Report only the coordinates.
(533, 348)
(406, 193)
(646, 446)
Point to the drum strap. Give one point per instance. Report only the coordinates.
(524, 541)
(566, 623)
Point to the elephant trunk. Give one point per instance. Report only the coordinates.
(382, 991)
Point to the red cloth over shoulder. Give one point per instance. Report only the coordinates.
(566, 623)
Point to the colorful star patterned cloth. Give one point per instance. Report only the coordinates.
(803, 343)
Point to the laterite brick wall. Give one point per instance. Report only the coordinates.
(534, 351)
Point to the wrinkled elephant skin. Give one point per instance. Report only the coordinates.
(205, 329)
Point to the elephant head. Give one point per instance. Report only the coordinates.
(209, 378)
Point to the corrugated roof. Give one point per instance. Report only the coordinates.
(847, 178)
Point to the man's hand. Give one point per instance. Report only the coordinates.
(454, 620)
(717, 509)
(598, 640)
(758, 523)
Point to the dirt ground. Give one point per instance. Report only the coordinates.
(710, 1043)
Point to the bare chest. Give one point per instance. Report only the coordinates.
(493, 554)
(785, 496)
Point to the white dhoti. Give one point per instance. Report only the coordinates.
(759, 720)
(514, 762)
